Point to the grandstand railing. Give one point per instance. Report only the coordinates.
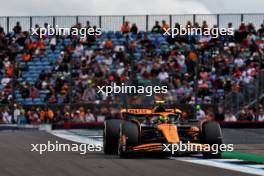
(144, 22)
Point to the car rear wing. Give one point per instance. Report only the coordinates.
(145, 111)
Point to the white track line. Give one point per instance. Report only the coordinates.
(74, 137)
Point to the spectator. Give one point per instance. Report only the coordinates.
(89, 116)
(156, 28)
(134, 29)
(200, 114)
(17, 29)
(17, 113)
(33, 92)
(163, 75)
(125, 27)
(230, 117)
(25, 91)
(261, 115)
(6, 117)
(251, 114)
(165, 26)
(109, 43)
(53, 43)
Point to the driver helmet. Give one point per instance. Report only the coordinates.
(162, 119)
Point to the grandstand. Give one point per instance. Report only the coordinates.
(55, 78)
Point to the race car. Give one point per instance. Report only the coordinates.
(156, 129)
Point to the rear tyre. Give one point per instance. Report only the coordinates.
(111, 136)
(212, 135)
(130, 133)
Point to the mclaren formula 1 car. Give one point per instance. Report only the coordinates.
(159, 130)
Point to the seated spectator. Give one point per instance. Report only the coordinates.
(89, 116)
(82, 114)
(42, 115)
(163, 75)
(52, 99)
(40, 48)
(26, 57)
(6, 116)
(109, 43)
(25, 91)
(33, 92)
(251, 114)
(229, 117)
(261, 115)
(53, 43)
(50, 115)
(79, 50)
(200, 114)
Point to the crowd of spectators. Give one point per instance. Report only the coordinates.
(42, 115)
(197, 69)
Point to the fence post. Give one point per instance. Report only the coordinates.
(170, 20)
(194, 18)
(100, 21)
(54, 21)
(7, 24)
(124, 19)
(30, 22)
(242, 18)
(218, 20)
(77, 19)
(147, 23)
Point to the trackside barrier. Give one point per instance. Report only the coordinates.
(242, 124)
(23, 127)
(78, 125)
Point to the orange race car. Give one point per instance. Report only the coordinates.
(160, 130)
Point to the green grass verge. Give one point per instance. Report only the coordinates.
(244, 156)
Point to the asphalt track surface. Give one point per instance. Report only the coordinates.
(16, 159)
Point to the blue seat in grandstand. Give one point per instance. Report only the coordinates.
(28, 101)
(158, 51)
(30, 63)
(118, 34)
(18, 95)
(37, 101)
(220, 92)
(199, 100)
